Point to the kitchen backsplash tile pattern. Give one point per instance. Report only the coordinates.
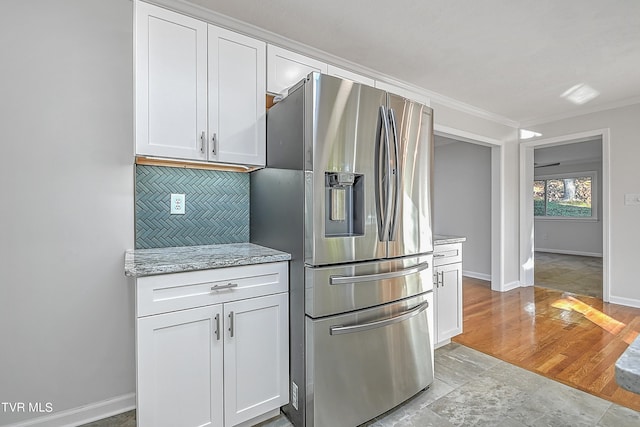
(217, 207)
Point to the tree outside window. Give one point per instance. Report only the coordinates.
(565, 196)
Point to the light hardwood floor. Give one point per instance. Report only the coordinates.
(571, 273)
(572, 339)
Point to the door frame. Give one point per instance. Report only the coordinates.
(497, 197)
(526, 203)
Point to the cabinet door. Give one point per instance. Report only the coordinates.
(256, 357)
(237, 106)
(171, 83)
(332, 70)
(448, 301)
(179, 365)
(286, 68)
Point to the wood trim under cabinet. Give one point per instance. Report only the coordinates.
(188, 164)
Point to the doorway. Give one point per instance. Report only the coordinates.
(564, 202)
(462, 200)
(497, 164)
(568, 217)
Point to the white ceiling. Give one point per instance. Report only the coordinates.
(513, 58)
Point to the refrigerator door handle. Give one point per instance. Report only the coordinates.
(395, 172)
(344, 280)
(383, 190)
(339, 330)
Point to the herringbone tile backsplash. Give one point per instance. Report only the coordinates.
(216, 207)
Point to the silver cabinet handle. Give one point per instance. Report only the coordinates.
(442, 279)
(439, 255)
(339, 330)
(214, 141)
(343, 280)
(221, 287)
(231, 324)
(203, 138)
(217, 332)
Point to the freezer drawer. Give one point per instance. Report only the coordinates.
(350, 287)
(361, 364)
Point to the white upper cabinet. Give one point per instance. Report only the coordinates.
(409, 94)
(286, 68)
(171, 83)
(237, 88)
(200, 90)
(332, 70)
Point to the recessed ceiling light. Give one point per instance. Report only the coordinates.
(580, 94)
(528, 134)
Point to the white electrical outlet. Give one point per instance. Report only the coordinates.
(632, 199)
(177, 204)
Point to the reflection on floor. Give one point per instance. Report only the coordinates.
(572, 339)
(472, 388)
(570, 273)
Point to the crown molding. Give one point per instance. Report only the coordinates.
(581, 112)
(199, 12)
(470, 109)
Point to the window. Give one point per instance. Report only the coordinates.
(567, 196)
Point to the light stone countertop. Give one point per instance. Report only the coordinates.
(148, 262)
(443, 240)
(628, 368)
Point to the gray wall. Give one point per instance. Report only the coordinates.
(66, 117)
(462, 200)
(579, 237)
(508, 155)
(624, 128)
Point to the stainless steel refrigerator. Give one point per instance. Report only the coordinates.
(347, 191)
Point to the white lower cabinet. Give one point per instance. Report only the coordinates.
(216, 365)
(448, 298)
(256, 355)
(447, 280)
(180, 369)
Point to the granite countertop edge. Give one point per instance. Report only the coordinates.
(150, 262)
(628, 368)
(444, 240)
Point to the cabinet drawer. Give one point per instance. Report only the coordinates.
(178, 291)
(447, 254)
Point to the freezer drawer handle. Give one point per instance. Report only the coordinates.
(338, 330)
(344, 280)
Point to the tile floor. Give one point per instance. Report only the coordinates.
(474, 389)
(570, 273)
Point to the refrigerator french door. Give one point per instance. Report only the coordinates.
(370, 156)
(347, 191)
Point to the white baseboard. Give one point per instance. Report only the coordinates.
(442, 343)
(629, 302)
(83, 414)
(510, 286)
(565, 252)
(474, 275)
